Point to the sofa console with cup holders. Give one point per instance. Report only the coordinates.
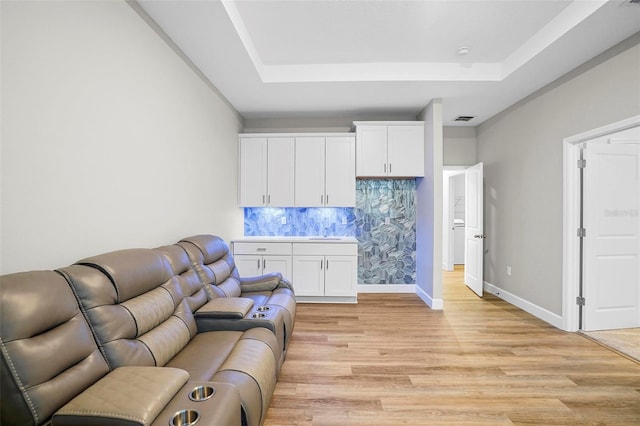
(141, 337)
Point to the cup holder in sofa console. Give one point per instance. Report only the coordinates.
(258, 315)
(202, 393)
(264, 308)
(185, 418)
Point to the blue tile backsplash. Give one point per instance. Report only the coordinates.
(386, 251)
(299, 222)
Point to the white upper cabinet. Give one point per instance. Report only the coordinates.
(405, 150)
(297, 170)
(266, 171)
(310, 171)
(280, 172)
(253, 171)
(340, 176)
(325, 171)
(371, 150)
(389, 149)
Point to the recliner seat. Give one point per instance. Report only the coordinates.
(212, 260)
(141, 309)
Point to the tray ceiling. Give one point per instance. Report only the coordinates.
(326, 58)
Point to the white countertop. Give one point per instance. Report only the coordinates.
(309, 239)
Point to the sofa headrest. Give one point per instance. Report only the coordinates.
(49, 353)
(132, 271)
(25, 312)
(177, 257)
(212, 247)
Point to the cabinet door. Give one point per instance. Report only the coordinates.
(341, 274)
(405, 150)
(280, 264)
(280, 167)
(253, 172)
(310, 172)
(248, 265)
(340, 175)
(308, 275)
(371, 159)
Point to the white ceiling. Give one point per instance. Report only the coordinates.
(359, 58)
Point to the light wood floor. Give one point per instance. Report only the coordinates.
(390, 360)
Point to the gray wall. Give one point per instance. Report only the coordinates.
(522, 152)
(109, 139)
(459, 146)
(429, 209)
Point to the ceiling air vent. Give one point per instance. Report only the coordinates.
(463, 118)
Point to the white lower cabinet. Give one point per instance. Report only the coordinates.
(253, 259)
(309, 273)
(320, 271)
(253, 265)
(325, 272)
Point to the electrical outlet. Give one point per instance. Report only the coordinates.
(387, 220)
(283, 220)
(508, 271)
(344, 220)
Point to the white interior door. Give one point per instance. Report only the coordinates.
(474, 228)
(611, 254)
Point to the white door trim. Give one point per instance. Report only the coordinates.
(447, 213)
(570, 219)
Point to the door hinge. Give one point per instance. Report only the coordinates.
(580, 301)
(582, 163)
(582, 232)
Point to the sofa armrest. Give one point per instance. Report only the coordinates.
(125, 396)
(225, 307)
(267, 282)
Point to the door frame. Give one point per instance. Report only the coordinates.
(571, 214)
(448, 172)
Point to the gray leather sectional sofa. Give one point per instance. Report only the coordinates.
(143, 337)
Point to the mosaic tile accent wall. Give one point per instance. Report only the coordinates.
(386, 251)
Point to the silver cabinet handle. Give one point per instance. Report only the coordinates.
(389, 167)
(320, 198)
(264, 263)
(321, 264)
(258, 264)
(269, 199)
(385, 167)
(326, 199)
(263, 198)
(327, 267)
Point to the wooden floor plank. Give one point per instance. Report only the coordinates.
(390, 360)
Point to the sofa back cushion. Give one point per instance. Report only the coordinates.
(192, 289)
(135, 305)
(213, 261)
(49, 354)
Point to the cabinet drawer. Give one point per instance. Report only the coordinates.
(325, 249)
(262, 248)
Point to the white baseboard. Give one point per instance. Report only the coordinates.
(386, 288)
(535, 310)
(326, 299)
(436, 304)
